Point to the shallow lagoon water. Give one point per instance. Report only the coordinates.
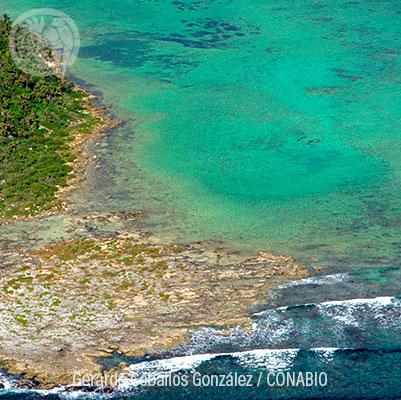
(270, 125)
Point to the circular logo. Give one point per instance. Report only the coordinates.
(44, 42)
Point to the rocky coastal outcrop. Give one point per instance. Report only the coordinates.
(65, 305)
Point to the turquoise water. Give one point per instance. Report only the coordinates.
(270, 125)
(273, 125)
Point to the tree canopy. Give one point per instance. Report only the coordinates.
(36, 115)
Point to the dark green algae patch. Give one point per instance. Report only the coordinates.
(40, 118)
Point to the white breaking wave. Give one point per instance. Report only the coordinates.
(6, 381)
(383, 301)
(274, 327)
(352, 311)
(147, 372)
(144, 373)
(316, 280)
(346, 311)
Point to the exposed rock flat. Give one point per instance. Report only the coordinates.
(65, 304)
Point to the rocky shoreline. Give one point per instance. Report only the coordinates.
(65, 304)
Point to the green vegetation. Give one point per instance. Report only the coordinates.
(39, 117)
(21, 319)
